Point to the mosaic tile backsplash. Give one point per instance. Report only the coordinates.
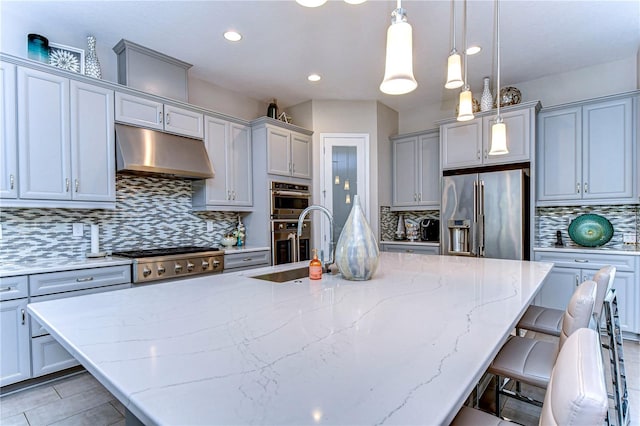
(150, 212)
(389, 220)
(624, 219)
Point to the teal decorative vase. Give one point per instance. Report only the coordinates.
(357, 250)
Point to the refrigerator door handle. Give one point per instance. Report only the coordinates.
(474, 243)
(481, 219)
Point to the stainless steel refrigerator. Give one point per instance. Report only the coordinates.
(486, 214)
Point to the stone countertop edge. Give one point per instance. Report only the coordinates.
(12, 269)
(633, 250)
(407, 242)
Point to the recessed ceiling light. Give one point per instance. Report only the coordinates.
(232, 36)
(472, 50)
(354, 1)
(314, 77)
(311, 3)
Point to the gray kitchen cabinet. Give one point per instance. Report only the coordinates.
(467, 143)
(410, 248)
(66, 142)
(147, 112)
(8, 132)
(572, 268)
(15, 362)
(288, 152)
(239, 261)
(587, 153)
(416, 172)
(229, 148)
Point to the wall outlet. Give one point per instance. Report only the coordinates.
(629, 238)
(209, 226)
(78, 229)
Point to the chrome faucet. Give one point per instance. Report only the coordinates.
(331, 245)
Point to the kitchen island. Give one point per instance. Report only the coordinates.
(406, 347)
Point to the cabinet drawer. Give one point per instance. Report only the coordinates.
(38, 330)
(243, 260)
(14, 287)
(587, 260)
(48, 356)
(410, 249)
(58, 282)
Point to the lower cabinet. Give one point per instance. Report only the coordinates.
(48, 356)
(240, 261)
(573, 268)
(15, 364)
(410, 248)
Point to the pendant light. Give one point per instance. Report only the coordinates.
(499, 129)
(454, 67)
(465, 107)
(311, 3)
(398, 71)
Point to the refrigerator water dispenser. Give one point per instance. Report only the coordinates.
(459, 236)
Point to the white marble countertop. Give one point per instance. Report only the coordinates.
(244, 249)
(407, 242)
(630, 250)
(406, 347)
(11, 269)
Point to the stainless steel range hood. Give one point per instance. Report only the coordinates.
(150, 152)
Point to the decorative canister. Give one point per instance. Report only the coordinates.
(486, 101)
(357, 250)
(38, 48)
(272, 110)
(91, 62)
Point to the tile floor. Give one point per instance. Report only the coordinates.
(81, 400)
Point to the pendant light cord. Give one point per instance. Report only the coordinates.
(453, 26)
(464, 36)
(499, 101)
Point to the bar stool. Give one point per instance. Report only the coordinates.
(549, 321)
(530, 360)
(576, 394)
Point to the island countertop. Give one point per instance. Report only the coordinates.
(406, 347)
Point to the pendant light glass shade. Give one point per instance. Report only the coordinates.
(465, 107)
(454, 71)
(498, 138)
(398, 71)
(311, 3)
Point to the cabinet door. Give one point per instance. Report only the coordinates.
(44, 150)
(627, 295)
(405, 172)
(278, 152)
(607, 150)
(92, 143)
(558, 287)
(15, 362)
(240, 164)
(300, 155)
(139, 111)
(461, 144)
(183, 121)
(559, 159)
(216, 135)
(48, 356)
(8, 132)
(429, 170)
(518, 124)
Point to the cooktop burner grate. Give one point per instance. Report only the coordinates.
(167, 251)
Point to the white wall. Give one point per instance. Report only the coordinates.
(387, 121)
(585, 83)
(216, 98)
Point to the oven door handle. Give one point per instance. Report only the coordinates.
(293, 193)
(295, 249)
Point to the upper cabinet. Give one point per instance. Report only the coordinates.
(586, 153)
(147, 112)
(467, 143)
(8, 132)
(416, 171)
(229, 148)
(288, 151)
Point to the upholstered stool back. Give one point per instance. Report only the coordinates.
(579, 310)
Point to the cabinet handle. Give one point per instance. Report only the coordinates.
(289, 167)
(228, 194)
(478, 154)
(233, 195)
(3, 289)
(24, 316)
(11, 180)
(577, 187)
(67, 183)
(293, 167)
(486, 154)
(247, 259)
(84, 280)
(586, 187)
(415, 197)
(408, 251)
(577, 280)
(168, 121)
(77, 184)
(160, 117)
(419, 196)
(581, 260)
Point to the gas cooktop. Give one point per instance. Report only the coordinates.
(168, 251)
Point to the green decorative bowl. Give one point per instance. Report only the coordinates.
(590, 230)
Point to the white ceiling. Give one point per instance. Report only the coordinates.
(284, 42)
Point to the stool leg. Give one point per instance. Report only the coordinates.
(498, 396)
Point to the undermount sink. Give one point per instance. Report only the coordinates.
(284, 276)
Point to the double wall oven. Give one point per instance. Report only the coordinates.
(288, 200)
